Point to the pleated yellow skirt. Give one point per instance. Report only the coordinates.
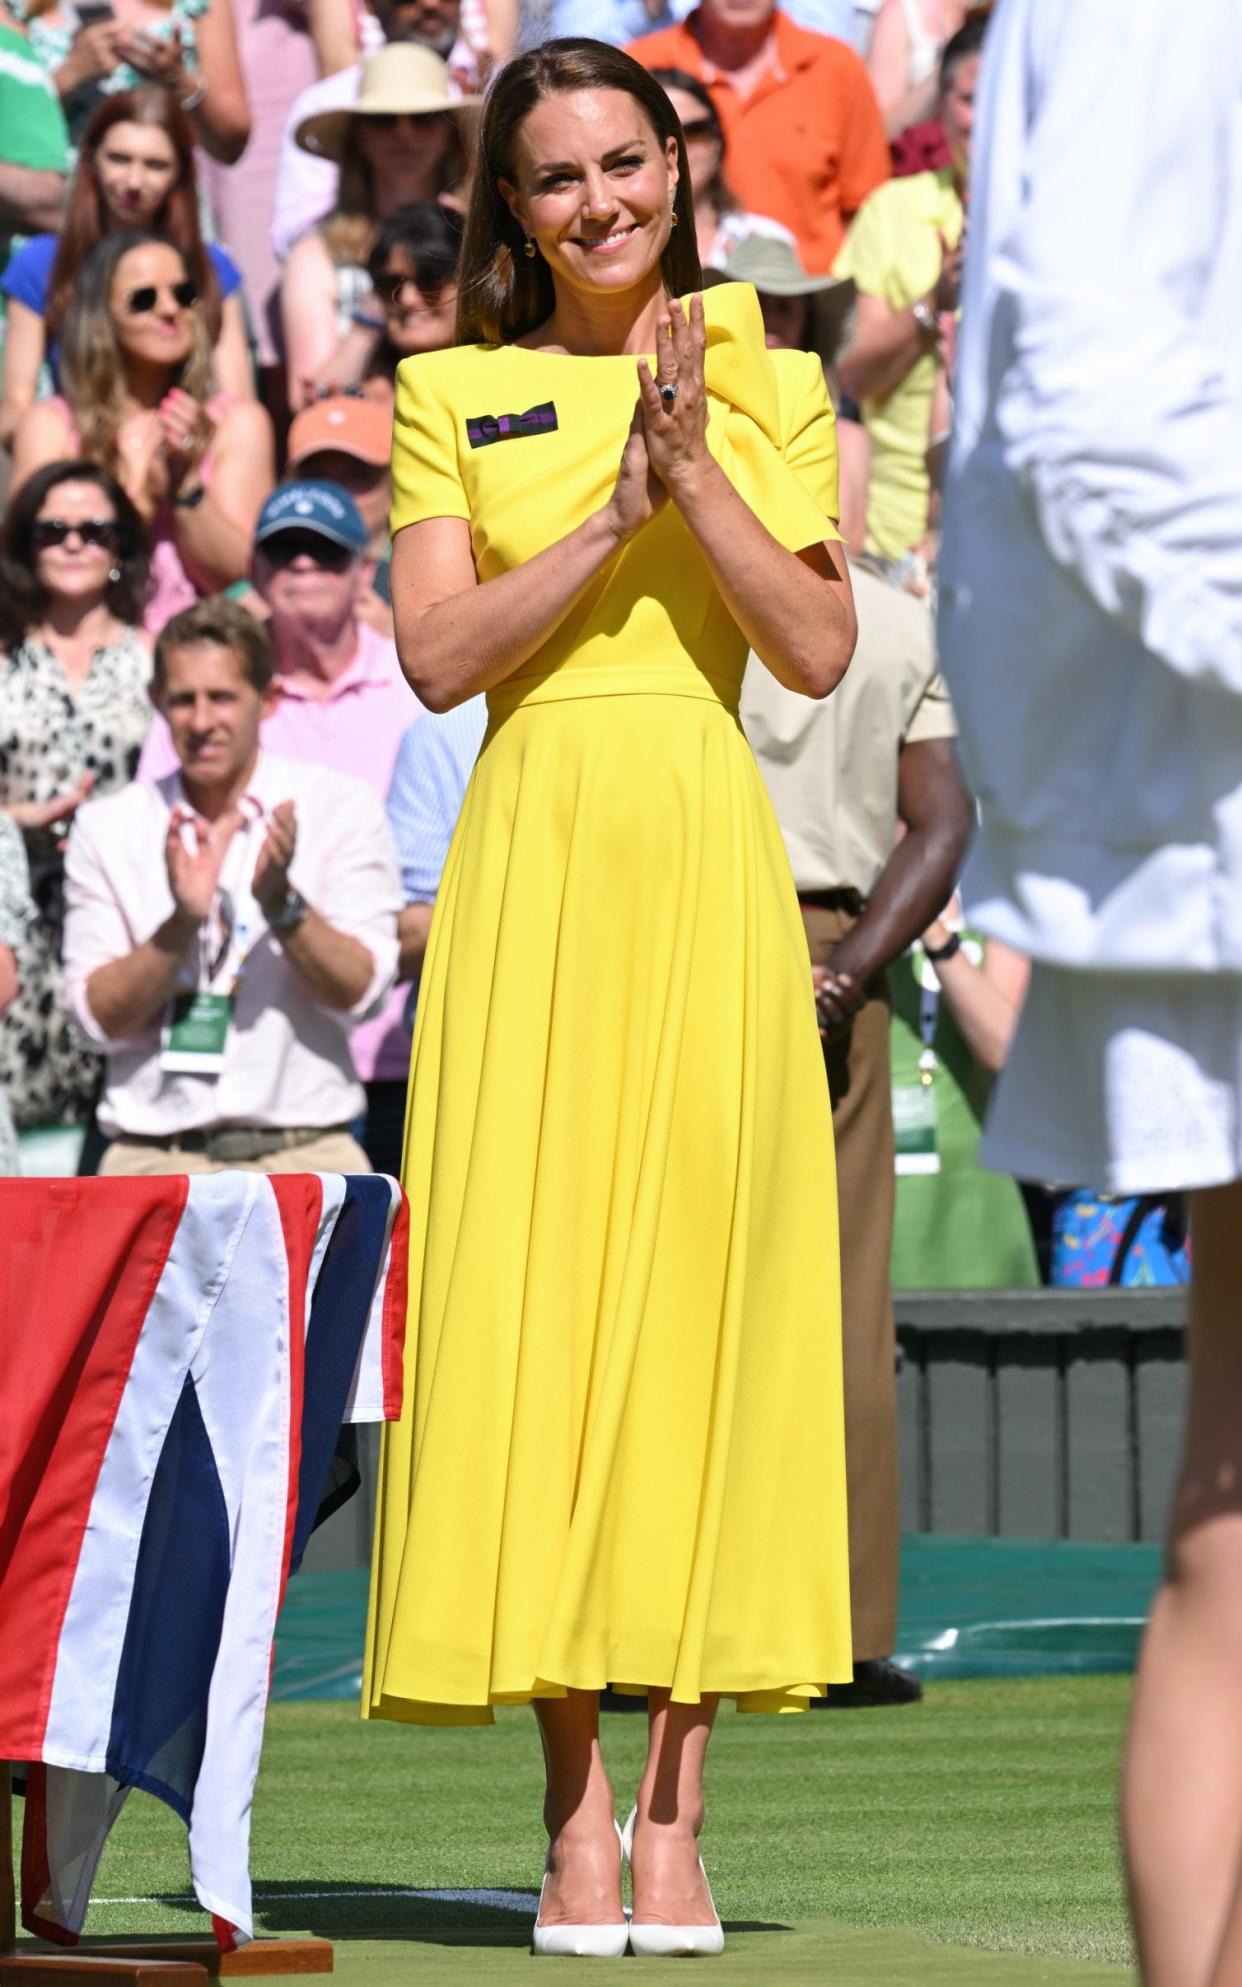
(621, 1456)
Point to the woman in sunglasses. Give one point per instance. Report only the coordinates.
(413, 271)
(719, 222)
(135, 170)
(74, 668)
(136, 372)
(402, 141)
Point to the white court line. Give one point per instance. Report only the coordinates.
(503, 1900)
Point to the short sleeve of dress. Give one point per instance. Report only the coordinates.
(426, 475)
(809, 428)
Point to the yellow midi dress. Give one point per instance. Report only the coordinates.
(621, 1452)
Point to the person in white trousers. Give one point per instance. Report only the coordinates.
(1091, 632)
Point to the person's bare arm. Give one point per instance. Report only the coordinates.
(916, 882)
(455, 636)
(230, 362)
(985, 1001)
(32, 201)
(334, 35)
(337, 967)
(796, 609)
(308, 315)
(885, 346)
(126, 995)
(43, 435)
(222, 119)
(10, 983)
(854, 468)
(413, 931)
(214, 536)
(25, 342)
(888, 65)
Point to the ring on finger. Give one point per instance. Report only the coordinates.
(668, 391)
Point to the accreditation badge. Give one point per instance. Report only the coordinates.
(196, 1032)
(914, 1126)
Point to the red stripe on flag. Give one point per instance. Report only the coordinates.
(299, 1201)
(79, 1266)
(396, 1306)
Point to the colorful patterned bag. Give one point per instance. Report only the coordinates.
(1101, 1242)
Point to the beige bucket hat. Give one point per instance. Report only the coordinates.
(400, 79)
(772, 264)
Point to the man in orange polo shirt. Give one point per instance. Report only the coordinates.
(804, 137)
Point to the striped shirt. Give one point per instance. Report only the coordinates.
(429, 779)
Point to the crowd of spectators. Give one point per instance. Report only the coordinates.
(222, 226)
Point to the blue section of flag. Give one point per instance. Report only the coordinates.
(172, 1638)
(339, 1309)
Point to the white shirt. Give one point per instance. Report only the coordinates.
(1091, 577)
(287, 1064)
(306, 185)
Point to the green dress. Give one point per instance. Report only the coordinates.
(957, 1226)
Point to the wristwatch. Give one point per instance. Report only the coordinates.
(189, 500)
(290, 914)
(926, 319)
(952, 944)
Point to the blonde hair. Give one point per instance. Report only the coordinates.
(92, 364)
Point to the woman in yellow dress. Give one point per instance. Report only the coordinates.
(620, 1457)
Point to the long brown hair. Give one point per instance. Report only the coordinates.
(349, 232)
(92, 364)
(87, 221)
(503, 292)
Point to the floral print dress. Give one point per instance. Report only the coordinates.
(50, 735)
(16, 914)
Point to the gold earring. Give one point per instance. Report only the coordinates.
(672, 219)
(529, 249)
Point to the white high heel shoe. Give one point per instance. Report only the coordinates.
(579, 1941)
(649, 1941)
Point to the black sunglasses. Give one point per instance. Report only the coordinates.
(141, 301)
(101, 531)
(286, 546)
(387, 120)
(389, 283)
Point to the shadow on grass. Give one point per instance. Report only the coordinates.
(336, 1911)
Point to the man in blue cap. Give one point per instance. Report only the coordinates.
(339, 700)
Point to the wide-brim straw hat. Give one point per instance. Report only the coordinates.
(772, 265)
(399, 80)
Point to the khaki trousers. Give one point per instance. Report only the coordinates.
(335, 1152)
(860, 1082)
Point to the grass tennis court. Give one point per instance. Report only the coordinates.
(968, 1840)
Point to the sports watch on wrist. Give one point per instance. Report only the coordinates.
(289, 914)
(939, 953)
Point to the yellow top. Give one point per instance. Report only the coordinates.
(770, 426)
(893, 251)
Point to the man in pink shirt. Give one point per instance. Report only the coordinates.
(340, 701)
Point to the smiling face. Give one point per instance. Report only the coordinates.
(418, 320)
(153, 325)
(77, 567)
(594, 185)
(137, 170)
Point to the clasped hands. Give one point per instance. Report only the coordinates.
(157, 446)
(666, 449)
